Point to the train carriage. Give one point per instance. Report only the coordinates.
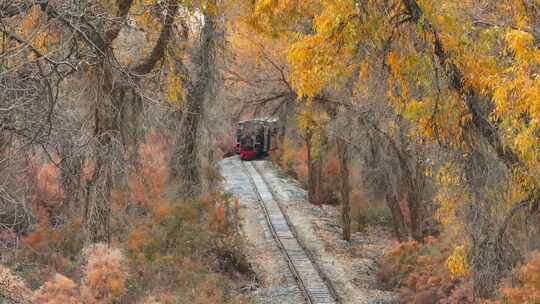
(254, 137)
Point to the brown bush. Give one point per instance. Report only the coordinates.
(13, 288)
(420, 274)
(60, 290)
(528, 290)
(105, 275)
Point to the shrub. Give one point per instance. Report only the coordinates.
(175, 251)
(12, 288)
(183, 249)
(226, 143)
(375, 216)
(528, 290)
(60, 290)
(49, 250)
(420, 273)
(105, 275)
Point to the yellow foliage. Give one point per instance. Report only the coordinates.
(275, 16)
(450, 196)
(520, 42)
(174, 88)
(323, 59)
(457, 263)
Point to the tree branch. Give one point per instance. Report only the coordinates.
(11, 10)
(158, 51)
(456, 82)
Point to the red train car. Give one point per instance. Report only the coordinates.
(254, 137)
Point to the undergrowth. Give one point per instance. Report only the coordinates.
(163, 250)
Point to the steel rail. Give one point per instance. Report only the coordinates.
(315, 295)
(326, 280)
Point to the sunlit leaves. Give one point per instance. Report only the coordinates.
(311, 123)
(520, 42)
(314, 65)
(279, 17)
(450, 196)
(174, 88)
(457, 263)
(322, 59)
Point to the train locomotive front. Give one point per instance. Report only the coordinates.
(254, 137)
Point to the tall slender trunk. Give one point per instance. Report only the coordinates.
(99, 187)
(185, 169)
(185, 162)
(398, 221)
(416, 216)
(345, 188)
(313, 172)
(70, 175)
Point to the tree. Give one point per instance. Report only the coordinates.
(459, 76)
(198, 91)
(345, 188)
(62, 48)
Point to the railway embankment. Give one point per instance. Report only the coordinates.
(349, 268)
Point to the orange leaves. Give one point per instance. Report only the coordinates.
(137, 240)
(317, 64)
(272, 16)
(154, 170)
(146, 186)
(393, 61)
(419, 271)
(36, 241)
(292, 158)
(60, 290)
(47, 196)
(36, 30)
(47, 180)
(520, 42)
(323, 59)
(161, 209)
(137, 189)
(529, 275)
(104, 280)
(12, 286)
(105, 273)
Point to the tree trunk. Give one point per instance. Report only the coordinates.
(415, 214)
(185, 163)
(313, 172)
(185, 167)
(70, 175)
(98, 189)
(317, 178)
(344, 188)
(398, 221)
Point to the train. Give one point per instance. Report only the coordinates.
(255, 137)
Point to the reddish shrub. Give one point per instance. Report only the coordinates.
(226, 143)
(404, 206)
(528, 290)
(13, 287)
(105, 275)
(47, 195)
(60, 290)
(420, 274)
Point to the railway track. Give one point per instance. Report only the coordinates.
(314, 286)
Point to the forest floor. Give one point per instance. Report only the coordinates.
(351, 267)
